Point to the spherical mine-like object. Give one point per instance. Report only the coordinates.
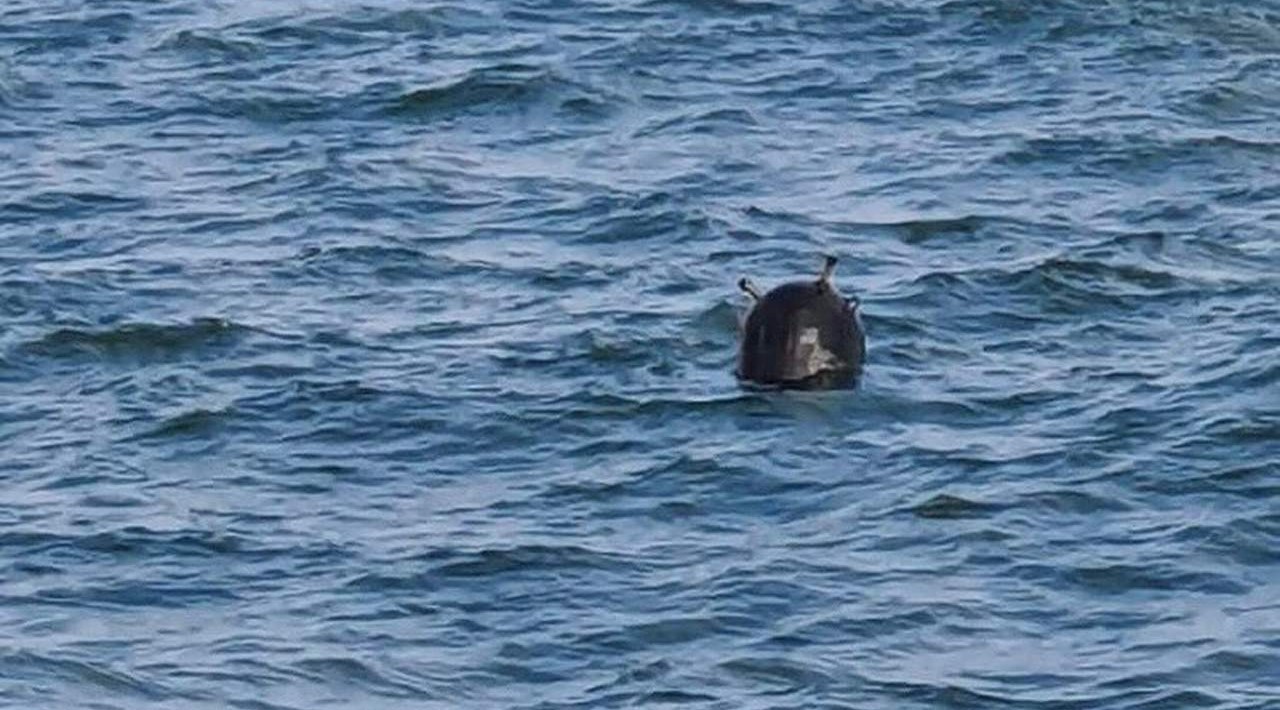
(802, 334)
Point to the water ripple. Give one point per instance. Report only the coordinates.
(382, 355)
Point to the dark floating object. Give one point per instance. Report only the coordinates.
(802, 334)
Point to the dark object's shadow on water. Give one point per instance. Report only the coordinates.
(827, 399)
(831, 380)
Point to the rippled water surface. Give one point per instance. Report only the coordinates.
(379, 354)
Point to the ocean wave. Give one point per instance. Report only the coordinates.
(59, 204)
(525, 558)
(195, 423)
(124, 595)
(1129, 578)
(94, 676)
(347, 672)
(463, 430)
(209, 43)
(137, 341)
(731, 7)
(709, 122)
(508, 88)
(946, 507)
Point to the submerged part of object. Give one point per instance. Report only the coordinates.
(802, 334)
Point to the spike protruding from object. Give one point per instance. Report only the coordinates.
(828, 269)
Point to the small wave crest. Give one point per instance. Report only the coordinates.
(95, 677)
(503, 87)
(137, 341)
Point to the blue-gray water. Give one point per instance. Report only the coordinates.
(379, 355)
